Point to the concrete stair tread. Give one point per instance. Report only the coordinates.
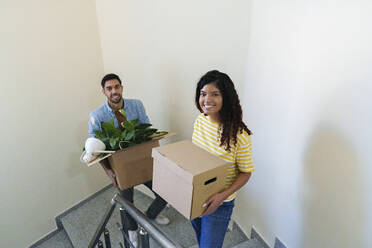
(252, 243)
(81, 223)
(58, 240)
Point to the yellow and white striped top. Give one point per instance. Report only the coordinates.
(207, 136)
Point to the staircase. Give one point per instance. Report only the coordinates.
(80, 224)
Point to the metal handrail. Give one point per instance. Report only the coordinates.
(146, 227)
(156, 233)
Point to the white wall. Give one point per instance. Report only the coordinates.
(307, 100)
(301, 69)
(50, 71)
(161, 49)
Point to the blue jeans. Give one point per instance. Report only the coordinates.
(211, 229)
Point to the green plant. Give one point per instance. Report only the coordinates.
(131, 134)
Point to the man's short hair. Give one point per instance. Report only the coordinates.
(108, 77)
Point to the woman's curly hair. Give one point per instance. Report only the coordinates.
(231, 111)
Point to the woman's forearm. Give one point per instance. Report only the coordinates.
(239, 182)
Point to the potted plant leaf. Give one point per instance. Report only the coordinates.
(131, 133)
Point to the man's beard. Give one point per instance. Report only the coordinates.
(115, 101)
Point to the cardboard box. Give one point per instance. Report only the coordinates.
(185, 175)
(133, 165)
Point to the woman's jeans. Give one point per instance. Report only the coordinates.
(211, 229)
(155, 208)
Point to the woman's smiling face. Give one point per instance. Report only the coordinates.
(210, 101)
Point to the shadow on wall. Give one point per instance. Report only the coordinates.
(333, 206)
(248, 203)
(180, 103)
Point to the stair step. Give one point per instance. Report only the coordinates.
(252, 243)
(81, 223)
(58, 240)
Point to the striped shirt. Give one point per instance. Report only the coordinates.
(207, 136)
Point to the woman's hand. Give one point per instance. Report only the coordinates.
(213, 203)
(216, 200)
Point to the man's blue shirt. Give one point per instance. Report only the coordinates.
(133, 108)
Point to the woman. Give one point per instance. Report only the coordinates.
(220, 130)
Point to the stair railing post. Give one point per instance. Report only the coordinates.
(144, 241)
(106, 235)
(124, 225)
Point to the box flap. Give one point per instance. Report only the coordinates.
(190, 157)
(96, 160)
(162, 136)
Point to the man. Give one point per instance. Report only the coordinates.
(113, 89)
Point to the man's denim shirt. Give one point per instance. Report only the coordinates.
(133, 108)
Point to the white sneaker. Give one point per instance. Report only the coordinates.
(133, 237)
(162, 220)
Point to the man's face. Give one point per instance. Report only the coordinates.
(113, 90)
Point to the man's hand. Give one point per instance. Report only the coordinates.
(213, 203)
(110, 173)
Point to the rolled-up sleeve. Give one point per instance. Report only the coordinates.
(143, 118)
(244, 154)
